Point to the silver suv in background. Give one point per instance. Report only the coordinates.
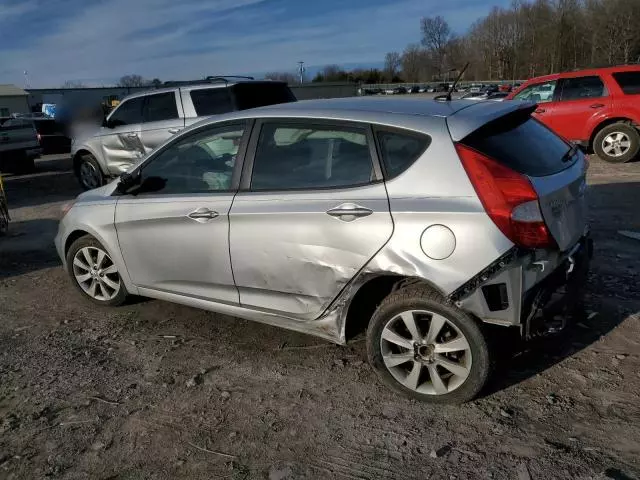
(428, 220)
(144, 121)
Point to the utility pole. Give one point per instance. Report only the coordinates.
(301, 71)
(26, 79)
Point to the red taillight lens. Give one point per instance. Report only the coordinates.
(508, 198)
(39, 138)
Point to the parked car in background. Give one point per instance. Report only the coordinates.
(497, 96)
(426, 219)
(414, 89)
(399, 90)
(51, 135)
(143, 121)
(19, 146)
(598, 109)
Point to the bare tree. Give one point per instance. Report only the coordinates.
(73, 84)
(436, 35)
(132, 81)
(415, 64)
(392, 62)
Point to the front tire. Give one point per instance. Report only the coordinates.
(89, 172)
(617, 143)
(94, 274)
(425, 348)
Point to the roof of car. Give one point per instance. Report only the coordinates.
(579, 73)
(195, 86)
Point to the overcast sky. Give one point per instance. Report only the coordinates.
(98, 41)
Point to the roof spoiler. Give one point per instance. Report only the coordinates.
(468, 120)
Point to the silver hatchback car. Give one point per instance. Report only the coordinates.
(429, 220)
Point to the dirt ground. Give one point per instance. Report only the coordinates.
(155, 390)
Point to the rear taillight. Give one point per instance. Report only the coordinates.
(39, 137)
(508, 198)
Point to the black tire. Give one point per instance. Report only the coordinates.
(86, 164)
(421, 297)
(76, 246)
(627, 131)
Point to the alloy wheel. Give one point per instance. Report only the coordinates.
(96, 273)
(616, 144)
(425, 352)
(89, 176)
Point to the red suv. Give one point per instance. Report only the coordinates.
(598, 108)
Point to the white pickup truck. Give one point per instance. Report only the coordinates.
(19, 146)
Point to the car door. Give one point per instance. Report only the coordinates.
(120, 136)
(173, 228)
(545, 95)
(311, 212)
(163, 118)
(582, 101)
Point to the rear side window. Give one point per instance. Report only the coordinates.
(399, 150)
(522, 144)
(253, 95)
(629, 82)
(311, 156)
(211, 101)
(127, 113)
(580, 88)
(161, 106)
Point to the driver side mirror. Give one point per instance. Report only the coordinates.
(106, 123)
(134, 184)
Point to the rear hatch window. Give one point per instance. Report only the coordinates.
(522, 144)
(258, 94)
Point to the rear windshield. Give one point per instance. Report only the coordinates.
(253, 95)
(629, 82)
(522, 144)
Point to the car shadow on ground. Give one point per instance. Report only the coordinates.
(28, 247)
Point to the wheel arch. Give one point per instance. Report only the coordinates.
(77, 159)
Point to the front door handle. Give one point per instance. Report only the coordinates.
(203, 215)
(348, 212)
(540, 110)
(597, 105)
(174, 130)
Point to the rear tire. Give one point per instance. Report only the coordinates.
(617, 143)
(89, 172)
(441, 356)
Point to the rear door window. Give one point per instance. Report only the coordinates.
(161, 106)
(629, 82)
(522, 144)
(399, 150)
(253, 95)
(211, 101)
(581, 88)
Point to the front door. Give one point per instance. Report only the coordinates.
(120, 137)
(174, 230)
(163, 118)
(311, 213)
(581, 99)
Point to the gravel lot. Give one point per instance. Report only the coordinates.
(155, 390)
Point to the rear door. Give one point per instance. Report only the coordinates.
(311, 212)
(581, 103)
(163, 117)
(559, 177)
(120, 137)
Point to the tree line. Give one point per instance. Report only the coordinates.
(527, 39)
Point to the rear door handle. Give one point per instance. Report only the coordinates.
(202, 215)
(348, 212)
(540, 110)
(597, 105)
(174, 130)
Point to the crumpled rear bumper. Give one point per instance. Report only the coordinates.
(533, 290)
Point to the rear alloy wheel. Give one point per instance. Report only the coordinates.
(89, 173)
(427, 349)
(94, 273)
(617, 143)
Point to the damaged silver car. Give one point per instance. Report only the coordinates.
(432, 222)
